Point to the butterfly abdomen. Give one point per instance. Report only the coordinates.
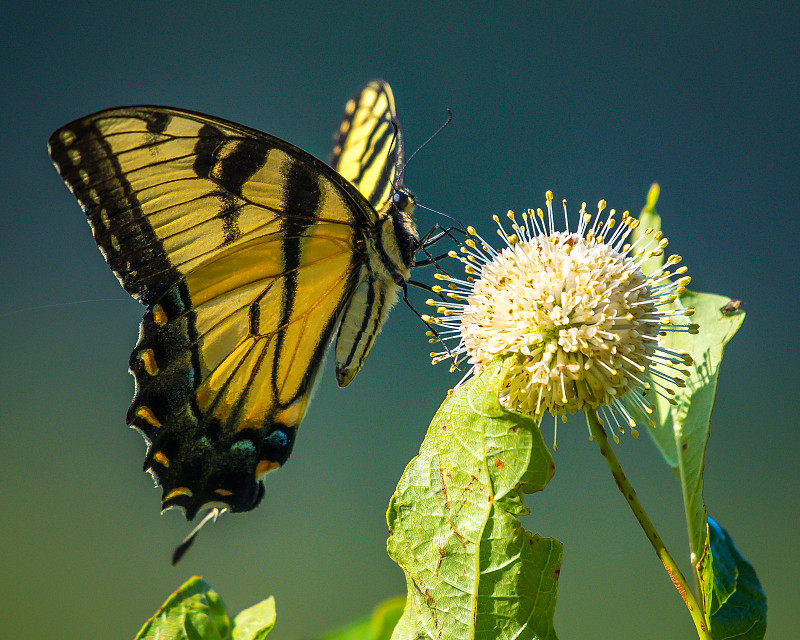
(389, 254)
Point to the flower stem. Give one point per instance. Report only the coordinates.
(627, 491)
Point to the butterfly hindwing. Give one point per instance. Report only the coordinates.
(369, 153)
(247, 252)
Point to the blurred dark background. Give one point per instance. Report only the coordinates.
(589, 100)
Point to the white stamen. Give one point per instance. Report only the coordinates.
(576, 310)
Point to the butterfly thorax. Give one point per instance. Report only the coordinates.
(397, 237)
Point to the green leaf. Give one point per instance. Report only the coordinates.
(255, 623)
(472, 571)
(738, 604)
(196, 612)
(377, 626)
(193, 612)
(682, 433)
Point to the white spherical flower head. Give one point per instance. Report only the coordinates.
(574, 311)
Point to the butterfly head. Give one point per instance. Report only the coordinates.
(404, 200)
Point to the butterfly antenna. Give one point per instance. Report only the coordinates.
(183, 547)
(459, 226)
(431, 137)
(396, 127)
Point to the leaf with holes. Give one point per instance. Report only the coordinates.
(472, 570)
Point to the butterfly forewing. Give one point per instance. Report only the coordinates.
(248, 252)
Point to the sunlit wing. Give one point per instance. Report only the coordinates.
(247, 252)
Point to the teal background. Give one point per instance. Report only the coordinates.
(589, 100)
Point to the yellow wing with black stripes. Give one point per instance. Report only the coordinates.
(248, 253)
(369, 153)
(369, 145)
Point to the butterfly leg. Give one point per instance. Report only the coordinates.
(433, 236)
(432, 333)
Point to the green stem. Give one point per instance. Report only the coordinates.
(626, 489)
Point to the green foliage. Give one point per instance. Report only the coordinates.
(255, 623)
(682, 433)
(472, 571)
(738, 604)
(196, 612)
(378, 626)
(649, 218)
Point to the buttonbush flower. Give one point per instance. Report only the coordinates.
(580, 320)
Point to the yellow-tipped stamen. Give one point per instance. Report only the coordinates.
(582, 319)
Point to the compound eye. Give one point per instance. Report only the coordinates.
(403, 201)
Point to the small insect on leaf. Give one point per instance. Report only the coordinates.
(733, 306)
